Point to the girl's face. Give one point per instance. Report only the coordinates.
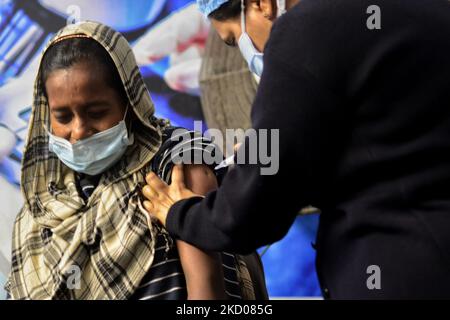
(81, 102)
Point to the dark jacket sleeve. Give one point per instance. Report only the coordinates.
(250, 209)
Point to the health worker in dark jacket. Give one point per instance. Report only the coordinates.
(360, 93)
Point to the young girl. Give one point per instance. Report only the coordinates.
(83, 232)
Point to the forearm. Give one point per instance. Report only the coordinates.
(203, 272)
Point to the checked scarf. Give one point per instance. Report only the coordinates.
(63, 246)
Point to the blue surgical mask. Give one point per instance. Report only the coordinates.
(95, 154)
(253, 57)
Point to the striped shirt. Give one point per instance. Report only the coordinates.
(165, 279)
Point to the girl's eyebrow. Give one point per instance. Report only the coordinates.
(59, 109)
(89, 105)
(94, 104)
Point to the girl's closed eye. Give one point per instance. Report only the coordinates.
(97, 114)
(63, 117)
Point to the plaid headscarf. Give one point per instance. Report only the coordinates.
(57, 234)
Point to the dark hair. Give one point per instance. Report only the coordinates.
(68, 52)
(229, 10)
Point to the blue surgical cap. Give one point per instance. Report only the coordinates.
(208, 6)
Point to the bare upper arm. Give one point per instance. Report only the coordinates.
(199, 178)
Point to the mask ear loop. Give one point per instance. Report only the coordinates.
(242, 16)
(125, 117)
(126, 111)
(281, 8)
(46, 128)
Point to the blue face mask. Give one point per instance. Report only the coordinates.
(253, 57)
(95, 154)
